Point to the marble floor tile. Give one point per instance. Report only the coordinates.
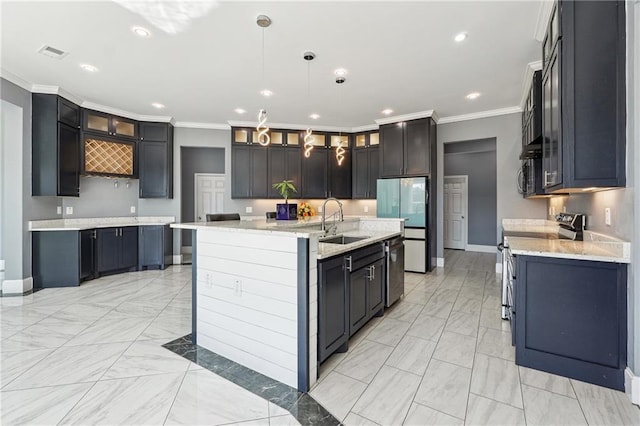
(427, 327)
(485, 411)
(456, 349)
(388, 397)
(549, 382)
(546, 408)
(405, 311)
(419, 415)
(493, 319)
(23, 316)
(461, 323)
(167, 327)
(468, 292)
(355, 420)
(599, 405)
(7, 331)
(468, 306)
(70, 364)
(418, 296)
(42, 336)
(286, 420)
(206, 398)
(364, 361)
(111, 328)
(629, 413)
(438, 309)
(445, 388)
(445, 295)
(84, 311)
(338, 393)
(139, 309)
(13, 364)
(497, 379)
(411, 277)
(496, 343)
(145, 358)
(136, 400)
(412, 354)
(276, 410)
(493, 302)
(330, 363)
(357, 338)
(389, 331)
(40, 406)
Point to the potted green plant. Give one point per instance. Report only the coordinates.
(286, 211)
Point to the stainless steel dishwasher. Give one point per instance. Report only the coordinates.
(395, 270)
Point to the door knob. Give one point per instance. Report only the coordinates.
(463, 217)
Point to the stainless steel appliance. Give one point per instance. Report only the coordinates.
(570, 227)
(395, 270)
(408, 198)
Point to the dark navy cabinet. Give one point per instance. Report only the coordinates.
(284, 164)
(315, 181)
(56, 146)
(572, 318)
(155, 160)
(116, 249)
(62, 258)
(406, 148)
(249, 175)
(155, 247)
(333, 312)
(366, 166)
(583, 96)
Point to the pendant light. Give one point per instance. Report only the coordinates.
(340, 149)
(308, 135)
(262, 128)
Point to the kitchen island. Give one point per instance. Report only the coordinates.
(255, 289)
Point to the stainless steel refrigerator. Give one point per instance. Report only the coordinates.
(408, 198)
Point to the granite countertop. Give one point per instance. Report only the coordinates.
(79, 224)
(595, 247)
(326, 250)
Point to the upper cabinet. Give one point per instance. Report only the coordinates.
(532, 112)
(56, 146)
(110, 125)
(366, 165)
(285, 162)
(155, 160)
(406, 148)
(583, 96)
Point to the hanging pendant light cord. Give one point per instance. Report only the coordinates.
(263, 130)
(339, 149)
(308, 136)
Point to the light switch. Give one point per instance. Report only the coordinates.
(607, 216)
(366, 209)
(69, 210)
(248, 209)
(133, 209)
(59, 210)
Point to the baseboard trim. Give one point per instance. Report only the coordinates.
(440, 262)
(17, 287)
(186, 250)
(482, 249)
(499, 268)
(177, 259)
(632, 386)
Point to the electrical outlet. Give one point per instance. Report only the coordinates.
(69, 210)
(607, 216)
(248, 209)
(133, 209)
(552, 211)
(59, 210)
(366, 209)
(238, 287)
(564, 209)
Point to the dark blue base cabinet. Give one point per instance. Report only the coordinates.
(572, 318)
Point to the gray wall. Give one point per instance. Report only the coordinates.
(196, 160)
(24, 207)
(506, 129)
(99, 197)
(477, 160)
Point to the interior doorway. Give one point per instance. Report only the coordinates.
(209, 195)
(455, 212)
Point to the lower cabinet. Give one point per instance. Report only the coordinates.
(333, 312)
(572, 318)
(155, 247)
(117, 249)
(62, 258)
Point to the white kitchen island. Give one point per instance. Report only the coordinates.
(255, 293)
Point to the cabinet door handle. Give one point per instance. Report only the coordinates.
(546, 178)
(348, 260)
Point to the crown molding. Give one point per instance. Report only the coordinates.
(481, 114)
(291, 126)
(366, 128)
(196, 125)
(18, 81)
(405, 117)
(544, 13)
(526, 80)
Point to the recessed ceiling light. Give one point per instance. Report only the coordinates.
(340, 72)
(473, 95)
(387, 111)
(240, 110)
(141, 32)
(266, 93)
(157, 105)
(460, 37)
(314, 116)
(89, 68)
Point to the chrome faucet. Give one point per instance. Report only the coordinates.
(324, 212)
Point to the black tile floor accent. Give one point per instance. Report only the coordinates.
(301, 405)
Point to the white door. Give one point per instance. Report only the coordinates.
(209, 195)
(455, 212)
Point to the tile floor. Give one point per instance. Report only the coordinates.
(93, 355)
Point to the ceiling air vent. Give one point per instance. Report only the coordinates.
(52, 52)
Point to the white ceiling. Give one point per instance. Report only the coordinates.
(399, 55)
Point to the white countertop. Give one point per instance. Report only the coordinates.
(79, 224)
(595, 247)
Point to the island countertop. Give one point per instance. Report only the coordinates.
(593, 248)
(79, 224)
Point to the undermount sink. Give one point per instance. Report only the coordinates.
(341, 239)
